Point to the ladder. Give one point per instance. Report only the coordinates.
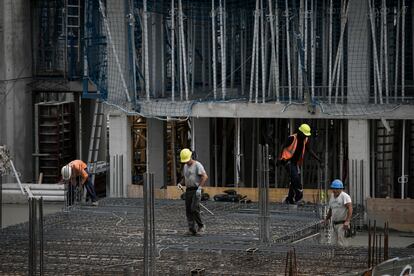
(73, 25)
(95, 139)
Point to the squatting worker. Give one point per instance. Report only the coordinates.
(292, 158)
(340, 212)
(194, 179)
(76, 173)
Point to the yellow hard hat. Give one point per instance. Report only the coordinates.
(185, 155)
(305, 129)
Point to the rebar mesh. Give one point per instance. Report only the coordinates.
(108, 240)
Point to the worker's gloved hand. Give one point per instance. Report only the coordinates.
(179, 186)
(198, 192)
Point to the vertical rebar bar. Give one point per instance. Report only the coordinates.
(386, 232)
(313, 45)
(146, 234)
(369, 244)
(40, 225)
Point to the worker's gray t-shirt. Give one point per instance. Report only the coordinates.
(337, 205)
(192, 174)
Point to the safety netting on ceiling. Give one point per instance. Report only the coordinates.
(348, 57)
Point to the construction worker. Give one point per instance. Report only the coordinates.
(76, 173)
(194, 179)
(292, 158)
(340, 212)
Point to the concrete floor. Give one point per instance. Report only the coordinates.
(108, 240)
(19, 213)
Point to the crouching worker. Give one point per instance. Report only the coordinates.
(340, 212)
(194, 179)
(76, 173)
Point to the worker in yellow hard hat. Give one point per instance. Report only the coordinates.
(292, 157)
(194, 179)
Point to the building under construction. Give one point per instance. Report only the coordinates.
(125, 85)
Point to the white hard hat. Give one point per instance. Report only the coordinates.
(66, 172)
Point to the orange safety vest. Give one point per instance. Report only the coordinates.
(288, 152)
(78, 169)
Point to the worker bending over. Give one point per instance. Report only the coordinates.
(76, 173)
(340, 212)
(194, 179)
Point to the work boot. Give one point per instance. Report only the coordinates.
(202, 229)
(95, 203)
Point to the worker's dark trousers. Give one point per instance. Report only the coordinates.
(295, 187)
(71, 195)
(192, 209)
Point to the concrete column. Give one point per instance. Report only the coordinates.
(358, 52)
(203, 144)
(15, 97)
(157, 151)
(359, 153)
(119, 154)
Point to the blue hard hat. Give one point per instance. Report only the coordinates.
(337, 184)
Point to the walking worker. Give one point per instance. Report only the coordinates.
(76, 173)
(194, 179)
(340, 212)
(292, 157)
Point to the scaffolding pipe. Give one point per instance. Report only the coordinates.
(146, 63)
(288, 50)
(232, 53)
(339, 50)
(397, 47)
(203, 55)
(242, 51)
(253, 52)
(193, 49)
(257, 58)
(172, 51)
(262, 33)
(313, 45)
(374, 41)
(213, 27)
(403, 50)
(301, 31)
(330, 46)
(223, 49)
(387, 86)
(277, 52)
(184, 56)
(273, 51)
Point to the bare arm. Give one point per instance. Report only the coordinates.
(348, 214)
(329, 215)
(203, 179)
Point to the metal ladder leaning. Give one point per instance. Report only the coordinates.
(73, 24)
(95, 139)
